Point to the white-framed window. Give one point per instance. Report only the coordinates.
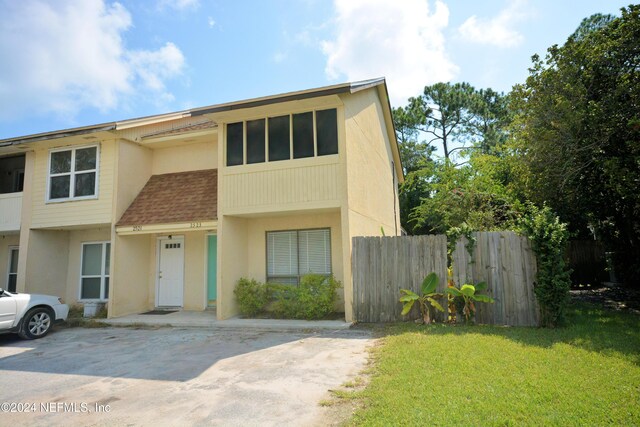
(12, 269)
(292, 254)
(73, 173)
(94, 271)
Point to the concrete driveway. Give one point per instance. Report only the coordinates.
(172, 376)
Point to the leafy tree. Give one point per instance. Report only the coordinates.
(457, 117)
(489, 121)
(416, 164)
(443, 113)
(576, 133)
(474, 194)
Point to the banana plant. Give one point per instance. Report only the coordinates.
(469, 294)
(426, 300)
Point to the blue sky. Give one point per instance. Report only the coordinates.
(68, 63)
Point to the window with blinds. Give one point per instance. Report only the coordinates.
(292, 254)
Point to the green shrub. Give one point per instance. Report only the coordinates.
(548, 238)
(314, 298)
(284, 299)
(317, 296)
(252, 296)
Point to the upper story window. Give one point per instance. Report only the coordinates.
(73, 174)
(12, 174)
(292, 136)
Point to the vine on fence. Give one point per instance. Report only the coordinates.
(454, 234)
(548, 238)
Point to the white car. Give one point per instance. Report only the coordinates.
(30, 315)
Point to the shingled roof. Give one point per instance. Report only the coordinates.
(174, 198)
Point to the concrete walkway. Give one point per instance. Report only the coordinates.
(207, 319)
(97, 377)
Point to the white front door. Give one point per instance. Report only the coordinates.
(170, 272)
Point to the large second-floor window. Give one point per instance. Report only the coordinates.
(73, 174)
(292, 136)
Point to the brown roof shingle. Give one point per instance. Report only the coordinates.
(175, 197)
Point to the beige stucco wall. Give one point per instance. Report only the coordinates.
(129, 292)
(232, 254)
(133, 171)
(78, 212)
(186, 157)
(6, 241)
(195, 283)
(371, 200)
(46, 262)
(76, 239)
(372, 185)
(25, 223)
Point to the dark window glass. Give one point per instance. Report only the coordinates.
(255, 141)
(302, 135)
(234, 144)
(327, 129)
(60, 187)
(85, 184)
(61, 162)
(86, 159)
(279, 138)
(90, 288)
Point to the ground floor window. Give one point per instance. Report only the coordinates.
(12, 274)
(94, 274)
(294, 253)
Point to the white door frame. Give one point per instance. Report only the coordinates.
(12, 248)
(159, 240)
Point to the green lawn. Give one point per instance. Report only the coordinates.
(587, 373)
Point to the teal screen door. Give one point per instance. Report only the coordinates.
(212, 257)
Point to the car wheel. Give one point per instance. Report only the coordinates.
(36, 323)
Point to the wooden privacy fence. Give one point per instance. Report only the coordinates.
(382, 266)
(507, 263)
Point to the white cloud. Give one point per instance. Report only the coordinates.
(498, 31)
(153, 67)
(401, 40)
(178, 4)
(279, 57)
(70, 55)
(211, 22)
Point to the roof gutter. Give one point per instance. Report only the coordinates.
(259, 102)
(58, 134)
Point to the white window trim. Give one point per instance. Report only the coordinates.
(9, 273)
(72, 173)
(103, 273)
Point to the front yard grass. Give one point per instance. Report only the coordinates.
(587, 373)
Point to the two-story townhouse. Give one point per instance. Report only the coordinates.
(169, 211)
